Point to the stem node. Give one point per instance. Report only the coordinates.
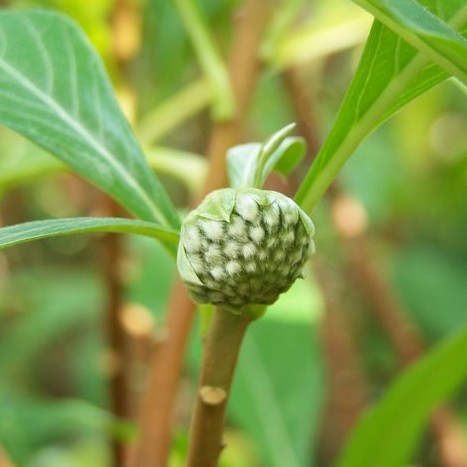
(212, 395)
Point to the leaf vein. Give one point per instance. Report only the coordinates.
(101, 150)
(43, 54)
(72, 74)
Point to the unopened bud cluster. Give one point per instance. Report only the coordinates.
(243, 246)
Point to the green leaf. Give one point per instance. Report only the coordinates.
(37, 230)
(332, 27)
(250, 164)
(391, 73)
(209, 57)
(242, 163)
(287, 156)
(387, 435)
(425, 31)
(23, 166)
(54, 91)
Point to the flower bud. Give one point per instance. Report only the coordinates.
(243, 247)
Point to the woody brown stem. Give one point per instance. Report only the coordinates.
(118, 364)
(111, 250)
(347, 386)
(222, 346)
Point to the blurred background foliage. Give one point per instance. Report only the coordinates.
(407, 182)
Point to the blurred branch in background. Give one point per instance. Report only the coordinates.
(244, 66)
(193, 98)
(118, 364)
(4, 459)
(124, 24)
(347, 393)
(157, 405)
(351, 224)
(403, 334)
(347, 388)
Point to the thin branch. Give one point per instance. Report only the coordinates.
(406, 340)
(347, 386)
(111, 252)
(155, 420)
(405, 337)
(158, 401)
(117, 339)
(244, 66)
(221, 350)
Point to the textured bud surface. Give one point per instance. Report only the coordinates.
(243, 247)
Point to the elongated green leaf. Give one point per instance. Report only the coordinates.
(286, 157)
(22, 167)
(391, 73)
(209, 57)
(425, 31)
(37, 230)
(387, 435)
(242, 162)
(250, 164)
(333, 27)
(54, 91)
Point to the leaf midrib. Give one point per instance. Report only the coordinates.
(421, 39)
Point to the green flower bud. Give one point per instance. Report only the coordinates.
(243, 247)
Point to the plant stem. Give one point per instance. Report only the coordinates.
(117, 338)
(159, 397)
(123, 15)
(222, 347)
(347, 388)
